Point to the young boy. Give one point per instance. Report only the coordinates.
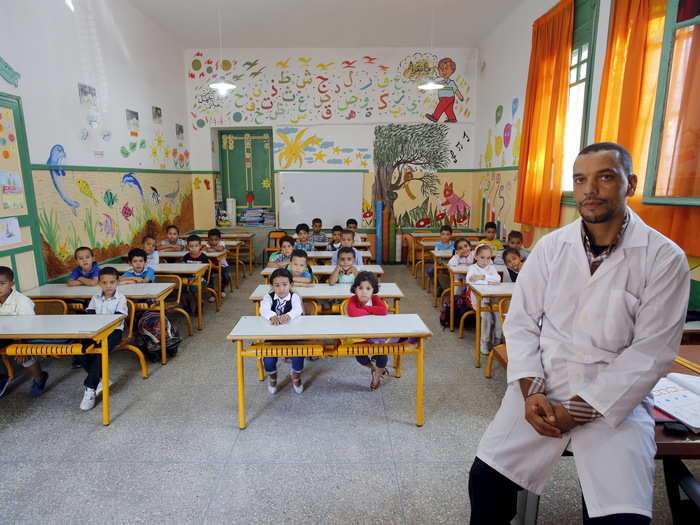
(149, 246)
(514, 263)
(317, 236)
(85, 274)
(490, 232)
(345, 270)
(108, 301)
(303, 242)
(14, 303)
(334, 243)
(172, 243)
(215, 244)
(351, 224)
(515, 240)
(194, 255)
(347, 241)
(301, 275)
(445, 243)
(139, 271)
(283, 257)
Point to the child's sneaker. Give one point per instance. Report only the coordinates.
(272, 384)
(38, 386)
(88, 401)
(211, 299)
(223, 294)
(98, 390)
(298, 388)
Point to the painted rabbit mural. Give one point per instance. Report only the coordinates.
(458, 210)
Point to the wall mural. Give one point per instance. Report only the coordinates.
(304, 90)
(107, 211)
(323, 147)
(12, 201)
(503, 145)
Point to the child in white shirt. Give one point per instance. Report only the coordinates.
(483, 271)
(463, 256)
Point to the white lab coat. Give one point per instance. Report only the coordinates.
(608, 338)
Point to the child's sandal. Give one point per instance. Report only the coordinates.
(298, 388)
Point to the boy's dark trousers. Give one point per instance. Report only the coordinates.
(92, 363)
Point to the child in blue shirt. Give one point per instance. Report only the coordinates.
(139, 272)
(87, 271)
(303, 242)
(445, 243)
(301, 273)
(283, 257)
(347, 239)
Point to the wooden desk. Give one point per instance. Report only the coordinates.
(139, 291)
(321, 328)
(325, 254)
(193, 271)
(435, 236)
(329, 291)
(246, 238)
(486, 291)
(327, 269)
(96, 327)
(691, 327)
(214, 256)
(440, 257)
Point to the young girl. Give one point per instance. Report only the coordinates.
(365, 301)
(283, 257)
(462, 256)
(280, 306)
(483, 271)
(514, 263)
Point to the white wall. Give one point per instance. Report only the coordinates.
(128, 59)
(505, 57)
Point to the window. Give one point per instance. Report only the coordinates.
(580, 74)
(673, 171)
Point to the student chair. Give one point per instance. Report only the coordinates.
(235, 262)
(412, 253)
(211, 290)
(172, 301)
(128, 339)
(273, 239)
(499, 351)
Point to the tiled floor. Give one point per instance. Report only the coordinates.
(336, 454)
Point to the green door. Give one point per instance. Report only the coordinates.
(246, 168)
(17, 201)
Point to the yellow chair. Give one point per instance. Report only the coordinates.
(172, 301)
(499, 351)
(273, 240)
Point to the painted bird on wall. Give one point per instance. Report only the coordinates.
(56, 157)
(173, 194)
(155, 196)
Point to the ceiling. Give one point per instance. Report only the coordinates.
(327, 23)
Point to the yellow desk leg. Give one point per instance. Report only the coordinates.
(397, 365)
(237, 259)
(261, 370)
(104, 353)
(419, 384)
(477, 340)
(219, 286)
(199, 301)
(435, 281)
(241, 385)
(257, 308)
(163, 332)
(396, 305)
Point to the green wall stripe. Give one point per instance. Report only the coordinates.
(47, 167)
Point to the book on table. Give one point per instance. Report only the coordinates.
(679, 396)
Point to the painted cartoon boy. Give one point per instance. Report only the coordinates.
(446, 94)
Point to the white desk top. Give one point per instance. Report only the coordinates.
(463, 268)
(55, 326)
(454, 234)
(327, 269)
(234, 235)
(328, 291)
(359, 244)
(175, 268)
(692, 326)
(132, 291)
(181, 254)
(330, 327)
(329, 255)
(493, 290)
(231, 244)
(442, 254)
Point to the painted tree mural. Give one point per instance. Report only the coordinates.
(401, 150)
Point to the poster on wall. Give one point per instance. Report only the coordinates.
(157, 114)
(87, 95)
(12, 199)
(9, 231)
(179, 132)
(132, 122)
(11, 193)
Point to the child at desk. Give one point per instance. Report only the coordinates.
(215, 244)
(515, 240)
(109, 301)
(347, 241)
(85, 274)
(14, 303)
(351, 224)
(149, 246)
(345, 269)
(462, 256)
(139, 271)
(280, 306)
(444, 244)
(301, 273)
(317, 236)
(303, 242)
(172, 243)
(514, 263)
(483, 271)
(334, 243)
(365, 301)
(490, 229)
(194, 255)
(283, 257)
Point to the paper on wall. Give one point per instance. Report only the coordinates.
(9, 231)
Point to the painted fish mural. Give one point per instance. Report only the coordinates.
(173, 194)
(85, 189)
(155, 196)
(107, 225)
(56, 157)
(109, 198)
(129, 179)
(127, 211)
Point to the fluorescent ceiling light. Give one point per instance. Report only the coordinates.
(431, 85)
(69, 3)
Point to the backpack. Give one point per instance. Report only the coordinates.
(149, 330)
(462, 306)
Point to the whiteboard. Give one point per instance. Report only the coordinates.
(333, 196)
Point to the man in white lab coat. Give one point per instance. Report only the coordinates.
(595, 320)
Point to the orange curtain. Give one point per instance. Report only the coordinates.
(626, 105)
(538, 201)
